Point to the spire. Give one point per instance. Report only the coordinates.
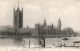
(44, 24)
(59, 24)
(59, 20)
(22, 9)
(52, 25)
(14, 8)
(18, 3)
(27, 26)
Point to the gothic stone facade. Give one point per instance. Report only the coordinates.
(18, 18)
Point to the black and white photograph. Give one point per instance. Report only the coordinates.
(39, 25)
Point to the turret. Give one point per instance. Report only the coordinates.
(44, 24)
(59, 24)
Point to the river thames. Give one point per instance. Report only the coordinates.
(33, 42)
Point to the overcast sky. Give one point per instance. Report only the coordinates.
(34, 12)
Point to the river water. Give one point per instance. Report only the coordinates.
(33, 42)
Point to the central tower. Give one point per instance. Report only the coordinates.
(18, 18)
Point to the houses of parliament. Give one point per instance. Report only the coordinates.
(39, 30)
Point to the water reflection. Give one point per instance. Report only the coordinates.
(12, 42)
(18, 42)
(33, 42)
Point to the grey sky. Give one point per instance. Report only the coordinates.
(35, 11)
